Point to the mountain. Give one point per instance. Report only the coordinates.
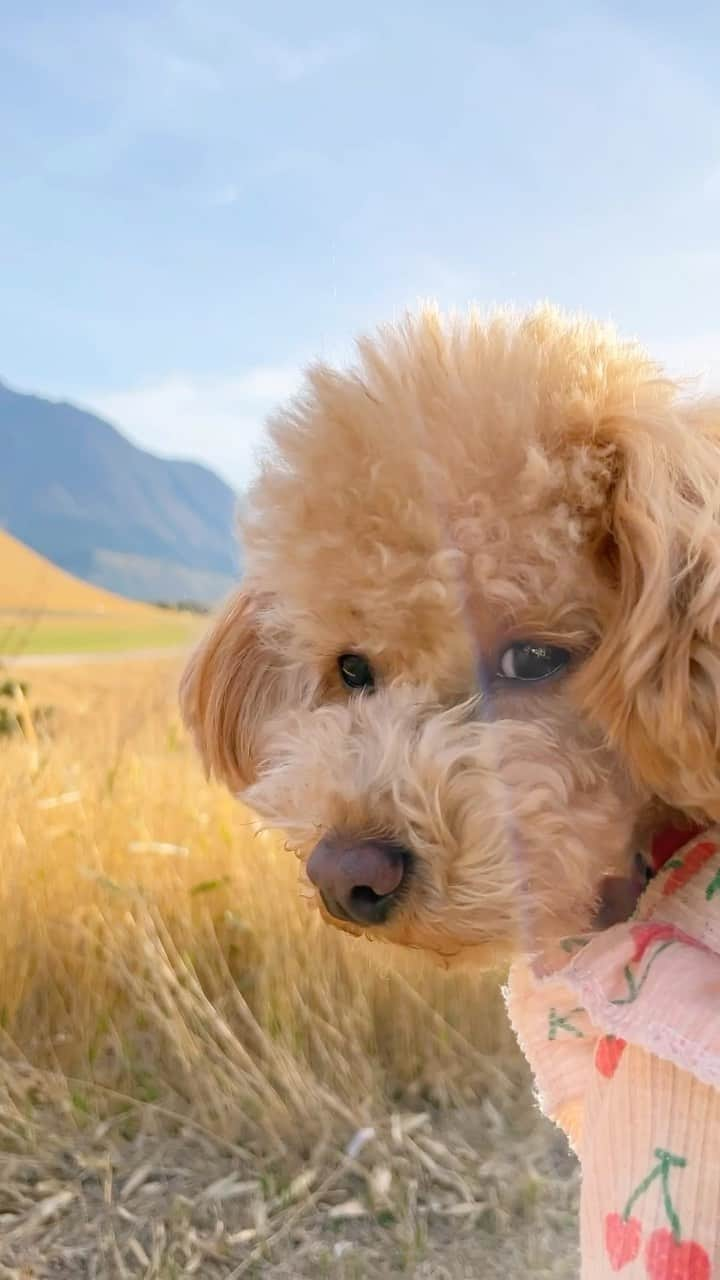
(30, 584)
(77, 491)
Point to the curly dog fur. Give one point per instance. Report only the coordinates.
(469, 484)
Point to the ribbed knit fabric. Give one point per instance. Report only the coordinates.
(622, 1031)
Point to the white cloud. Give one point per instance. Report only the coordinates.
(711, 185)
(218, 421)
(696, 357)
(223, 197)
(171, 50)
(293, 62)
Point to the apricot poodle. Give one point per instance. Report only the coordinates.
(475, 659)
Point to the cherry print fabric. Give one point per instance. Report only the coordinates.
(622, 1031)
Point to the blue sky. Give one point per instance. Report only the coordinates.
(198, 195)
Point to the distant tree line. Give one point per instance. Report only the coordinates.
(183, 606)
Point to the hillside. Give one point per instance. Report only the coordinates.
(30, 583)
(77, 491)
(44, 610)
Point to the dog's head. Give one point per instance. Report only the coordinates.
(478, 638)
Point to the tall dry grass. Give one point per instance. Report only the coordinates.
(163, 983)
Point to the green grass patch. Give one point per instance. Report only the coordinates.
(93, 635)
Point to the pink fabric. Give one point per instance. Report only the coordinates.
(622, 1031)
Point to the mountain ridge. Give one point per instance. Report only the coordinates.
(78, 491)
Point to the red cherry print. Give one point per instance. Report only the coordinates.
(669, 1259)
(691, 863)
(623, 1237)
(643, 935)
(608, 1053)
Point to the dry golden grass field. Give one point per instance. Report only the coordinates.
(197, 1078)
(45, 610)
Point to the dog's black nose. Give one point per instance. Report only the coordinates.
(358, 880)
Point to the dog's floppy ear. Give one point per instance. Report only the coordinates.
(654, 681)
(230, 685)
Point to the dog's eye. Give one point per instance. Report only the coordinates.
(355, 671)
(531, 662)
